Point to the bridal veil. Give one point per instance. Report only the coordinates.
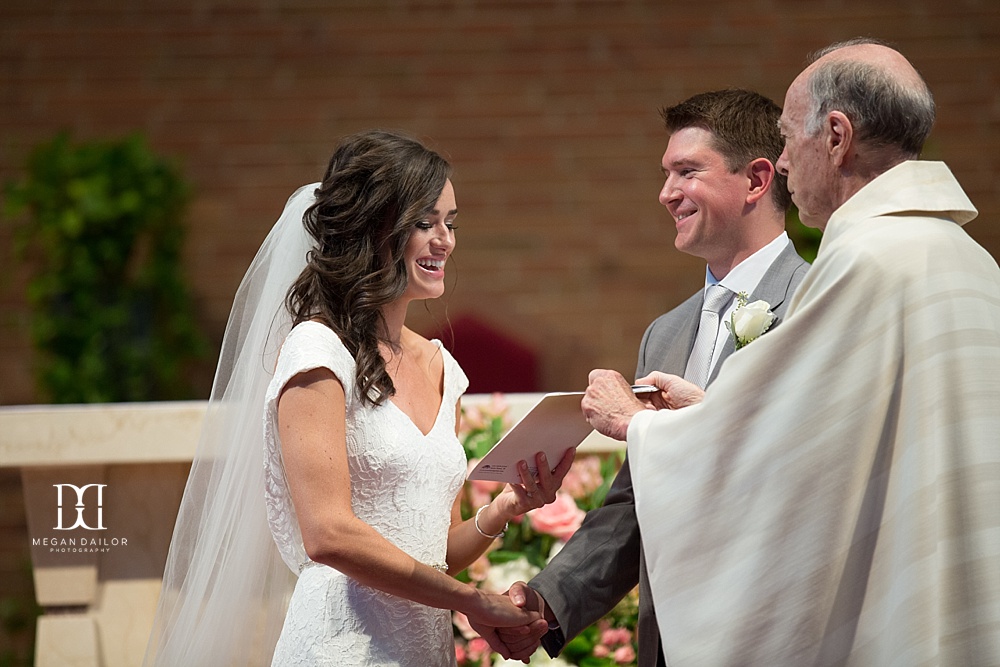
(225, 587)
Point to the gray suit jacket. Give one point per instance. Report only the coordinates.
(604, 560)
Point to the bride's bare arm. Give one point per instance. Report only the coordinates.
(312, 427)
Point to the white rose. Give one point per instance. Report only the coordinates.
(500, 577)
(751, 320)
(538, 659)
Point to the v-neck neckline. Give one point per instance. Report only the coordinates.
(444, 390)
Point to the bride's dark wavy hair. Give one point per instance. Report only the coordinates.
(377, 187)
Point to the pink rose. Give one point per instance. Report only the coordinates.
(472, 419)
(498, 406)
(601, 651)
(479, 568)
(461, 622)
(459, 653)
(584, 477)
(560, 518)
(616, 636)
(624, 655)
(479, 491)
(478, 647)
(476, 417)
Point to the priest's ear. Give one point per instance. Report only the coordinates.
(760, 174)
(839, 137)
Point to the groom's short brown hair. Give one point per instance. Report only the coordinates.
(744, 125)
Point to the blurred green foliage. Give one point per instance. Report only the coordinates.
(806, 239)
(18, 615)
(112, 319)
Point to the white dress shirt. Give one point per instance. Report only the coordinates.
(744, 277)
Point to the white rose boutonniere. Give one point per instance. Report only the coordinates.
(749, 321)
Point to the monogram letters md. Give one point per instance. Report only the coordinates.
(81, 506)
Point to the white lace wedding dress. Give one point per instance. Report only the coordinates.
(403, 484)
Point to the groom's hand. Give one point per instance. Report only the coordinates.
(516, 642)
(523, 644)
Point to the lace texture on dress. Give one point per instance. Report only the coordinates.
(403, 484)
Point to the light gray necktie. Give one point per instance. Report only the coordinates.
(700, 361)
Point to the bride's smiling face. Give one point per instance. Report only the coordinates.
(429, 246)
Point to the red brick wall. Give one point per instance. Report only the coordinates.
(548, 110)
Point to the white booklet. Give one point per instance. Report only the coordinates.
(552, 426)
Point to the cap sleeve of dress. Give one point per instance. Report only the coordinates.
(311, 345)
(457, 380)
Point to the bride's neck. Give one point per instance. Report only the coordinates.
(394, 316)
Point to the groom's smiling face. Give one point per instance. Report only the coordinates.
(703, 196)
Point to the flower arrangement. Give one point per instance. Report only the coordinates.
(531, 541)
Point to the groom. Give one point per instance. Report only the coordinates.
(728, 203)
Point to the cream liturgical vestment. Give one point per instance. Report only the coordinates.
(835, 500)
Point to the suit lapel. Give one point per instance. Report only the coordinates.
(774, 289)
(671, 339)
(676, 356)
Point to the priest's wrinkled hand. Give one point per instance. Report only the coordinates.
(675, 392)
(609, 403)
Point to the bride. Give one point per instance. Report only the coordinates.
(352, 483)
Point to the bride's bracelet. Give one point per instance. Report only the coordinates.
(503, 531)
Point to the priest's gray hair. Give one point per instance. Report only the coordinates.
(884, 112)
